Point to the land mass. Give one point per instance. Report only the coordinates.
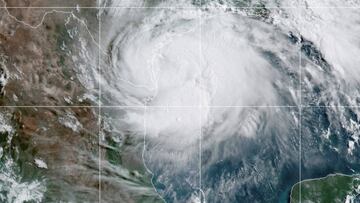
(333, 188)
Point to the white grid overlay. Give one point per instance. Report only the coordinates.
(100, 106)
(300, 114)
(201, 121)
(99, 83)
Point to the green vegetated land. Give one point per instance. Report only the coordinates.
(330, 189)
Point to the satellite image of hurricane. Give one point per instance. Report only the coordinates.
(180, 101)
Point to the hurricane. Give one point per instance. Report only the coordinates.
(205, 76)
(196, 101)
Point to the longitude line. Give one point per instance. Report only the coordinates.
(200, 83)
(300, 113)
(99, 83)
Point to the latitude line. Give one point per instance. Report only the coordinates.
(172, 7)
(185, 107)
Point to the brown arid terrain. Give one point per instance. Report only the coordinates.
(37, 73)
(51, 3)
(37, 51)
(53, 118)
(40, 134)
